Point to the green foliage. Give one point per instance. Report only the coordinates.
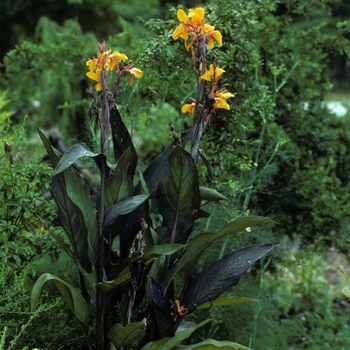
(40, 76)
(314, 314)
(27, 247)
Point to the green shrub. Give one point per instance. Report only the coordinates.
(27, 246)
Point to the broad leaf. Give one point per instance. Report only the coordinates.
(223, 301)
(108, 288)
(125, 206)
(209, 194)
(75, 212)
(79, 193)
(214, 344)
(72, 221)
(127, 337)
(122, 140)
(71, 295)
(73, 154)
(49, 149)
(159, 168)
(163, 249)
(174, 341)
(157, 294)
(119, 186)
(221, 275)
(198, 244)
(163, 312)
(178, 195)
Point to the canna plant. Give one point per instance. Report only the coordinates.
(127, 263)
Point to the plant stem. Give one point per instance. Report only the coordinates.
(100, 331)
(198, 122)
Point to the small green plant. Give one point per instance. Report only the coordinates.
(130, 243)
(311, 312)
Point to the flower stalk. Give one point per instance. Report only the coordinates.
(193, 27)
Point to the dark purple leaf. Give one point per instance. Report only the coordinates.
(221, 275)
(178, 195)
(122, 140)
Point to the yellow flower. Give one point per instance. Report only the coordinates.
(112, 60)
(197, 16)
(91, 64)
(220, 99)
(136, 72)
(188, 107)
(193, 24)
(216, 35)
(213, 74)
(96, 76)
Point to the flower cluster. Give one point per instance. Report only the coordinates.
(219, 97)
(107, 60)
(194, 24)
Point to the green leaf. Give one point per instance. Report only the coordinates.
(51, 152)
(221, 275)
(119, 186)
(108, 288)
(242, 223)
(127, 337)
(198, 244)
(222, 301)
(75, 211)
(178, 195)
(71, 220)
(171, 343)
(209, 194)
(72, 155)
(71, 295)
(163, 249)
(215, 344)
(125, 206)
(79, 194)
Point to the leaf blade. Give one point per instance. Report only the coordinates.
(221, 275)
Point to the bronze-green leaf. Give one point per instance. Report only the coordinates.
(172, 342)
(119, 186)
(222, 301)
(214, 344)
(71, 295)
(127, 337)
(163, 249)
(178, 196)
(198, 244)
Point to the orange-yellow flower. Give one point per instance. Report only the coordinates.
(188, 107)
(112, 60)
(108, 61)
(193, 24)
(213, 74)
(96, 76)
(220, 98)
(212, 34)
(136, 72)
(197, 16)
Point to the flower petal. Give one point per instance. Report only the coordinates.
(188, 107)
(217, 36)
(137, 72)
(181, 15)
